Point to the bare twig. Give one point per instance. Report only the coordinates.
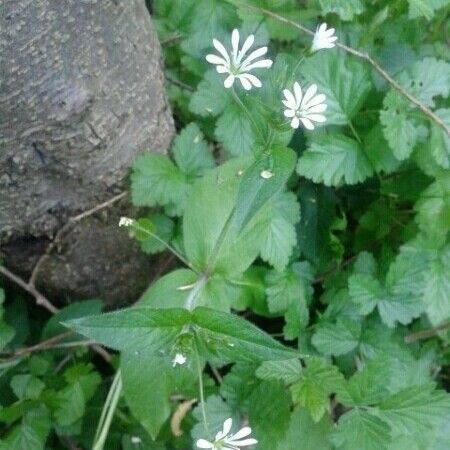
(364, 56)
(65, 227)
(425, 334)
(171, 39)
(180, 84)
(40, 299)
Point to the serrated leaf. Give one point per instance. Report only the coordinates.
(317, 382)
(287, 371)
(210, 98)
(191, 152)
(234, 131)
(155, 180)
(31, 433)
(439, 142)
(359, 428)
(269, 413)
(26, 386)
(70, 405)
(344, 80)
(425, 8)
(333, 160)
(304, 434)
(158, 224)
(379, 152)
(414, 409)
(337, 338)
(345, 9)
(366, 291)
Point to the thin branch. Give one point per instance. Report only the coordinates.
(178, 83)
(65, 227)
(425, 334)
(41, 300)
(364, 56)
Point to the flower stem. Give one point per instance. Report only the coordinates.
(247, 113)
(108, 412)
(200, 388)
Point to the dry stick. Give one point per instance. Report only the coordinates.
(366, 57)
(70, 222)
(425, 334)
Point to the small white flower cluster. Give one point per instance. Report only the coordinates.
(178, 359)
(125, 222)
(305, 109)
(225, 440)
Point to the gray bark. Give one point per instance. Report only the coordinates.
(81, 94)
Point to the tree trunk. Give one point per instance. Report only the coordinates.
(81, 94)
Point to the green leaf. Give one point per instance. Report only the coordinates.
(234, 131)
(379, 152)
(191, 152)
(158, 224)
(287, 371)
(210, 98)
(146, 387)
(337, 338)
(359, 428)
(414, 409)
(31, 433)
(333, 160)
(169, 291)
(317, 382)
(366, 291)
(210, 238)
(345, 9)
(134, 328)
(70, 405)
(433, 209)
(269, 414)
(255, 190)
(439, 142)
(344, 80)
(236, 339)
(304, 434)
(155, 180)
(281, 235)
(425, 8)
(26, 386)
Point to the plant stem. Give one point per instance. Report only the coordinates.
(355, 133)
(247, 113)
(108, 412)
(200, 387)
(136, 226)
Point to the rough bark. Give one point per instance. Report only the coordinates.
(81, 94)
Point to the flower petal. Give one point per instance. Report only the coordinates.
(320, 98)
(254, 80)
(295, 122)
(322, 27)
(309, 94)
(307, 123)
(298, 94)
(229, 81)
(235, 43)
(247, 44)
(245, 83)
(243, 432)
(214, 59)
(221, 49)
(227, 426)
(290, 99)
(289, 113)
(263, 64)
(329, 32)
(203, 443)
(243, 443)
(316, 117)
(316, 108)
(222, 69)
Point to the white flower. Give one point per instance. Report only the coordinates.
(235, 65)
(136, 440)
(125, 222)
(179, 359)
(224, 440)
(304, 108)
(323, 38)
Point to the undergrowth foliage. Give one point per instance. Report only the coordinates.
(307, 202)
